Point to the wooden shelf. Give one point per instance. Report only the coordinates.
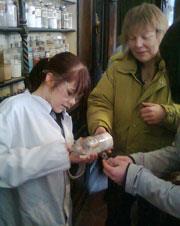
(70, 1)
(29, 29)
(50, 30)
(10, 29)
(11, 81)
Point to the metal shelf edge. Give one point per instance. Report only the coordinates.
(10, 29)
(50, 30)
(11, 81)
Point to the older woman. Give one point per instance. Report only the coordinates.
(132, 101)
(136, 178)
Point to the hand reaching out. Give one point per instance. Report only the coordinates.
(152, 113)
(115, 168)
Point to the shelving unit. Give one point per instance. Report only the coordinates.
(11, 81)
(69, 35)
(10, 29)
(50, 30)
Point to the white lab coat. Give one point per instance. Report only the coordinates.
(34, 186)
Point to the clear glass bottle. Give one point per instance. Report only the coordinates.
(38, 18)
(58, 17)
(52, 17)
(11, 14)
(7, 64)
(97, 143)
(2, 13)
(30, 14)
(70, 20)
(16, 65)
(44, 16)
(1, 65)
(30, 58)
(64, 16)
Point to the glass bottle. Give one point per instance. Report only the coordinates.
(16, 65)
(44, 16)
(64, 16)
(2, 13)
(7, 64)
(70, 20)
(38, 19)
(97, 143)
(58, 17)
(1, 65)
(52, 19)
(30, 14)
(11, 14)
(15, 57)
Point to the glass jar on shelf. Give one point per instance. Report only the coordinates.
(38, 18)
(16, 65)
(7, 70)
(1, 65)
(52, 17)
(30, 58)
(63, 16)
(66, 18)
(11, 14)
(59, 23)
(30, 14)
(2, 13)
(70, 17)
(15, 48)
(44, 14)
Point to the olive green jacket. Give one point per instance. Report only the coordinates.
(115, 103)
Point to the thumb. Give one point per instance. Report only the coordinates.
(147, 104)
(106, 165)
(100, 130)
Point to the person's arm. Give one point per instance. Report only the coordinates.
(100, 104)
(140, 181)
(162, 194)
(161, 114)
(172, 116)
(22, 163)
(160, 162)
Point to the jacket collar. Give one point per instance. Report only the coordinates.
(129, 65)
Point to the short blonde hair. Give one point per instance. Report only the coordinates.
(143, 15)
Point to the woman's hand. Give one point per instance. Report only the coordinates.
(100, 130)
(152, 113)
(77, 158)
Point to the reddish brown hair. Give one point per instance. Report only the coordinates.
(65, 67)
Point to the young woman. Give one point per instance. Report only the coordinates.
(35, 150)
